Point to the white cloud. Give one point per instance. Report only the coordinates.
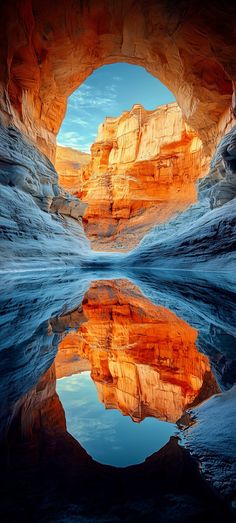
(78, 121)
(87, 107)
(91, 97)
(72, 139)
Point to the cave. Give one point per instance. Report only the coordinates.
(36, 82)
(142, 310)
(134, 165)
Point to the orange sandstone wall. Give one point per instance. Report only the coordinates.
(143, 170)
(49, 48)
(143, 357)
(70, 165)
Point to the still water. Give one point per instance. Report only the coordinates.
(106, 435)
(100, 373)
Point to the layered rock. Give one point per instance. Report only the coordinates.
(143, 169)
(206, 231)
(41, 224)
(36, 436)
(33, 422)
(49, 50)
(143, 357)
(70, 165)
(35, 84)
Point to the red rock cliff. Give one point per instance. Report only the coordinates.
(143, 169)
(70, 165)
(49, 48)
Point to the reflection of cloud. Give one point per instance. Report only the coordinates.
(73, 383)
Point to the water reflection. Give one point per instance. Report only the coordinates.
(153, 347)
(106, 435)
(144, 363)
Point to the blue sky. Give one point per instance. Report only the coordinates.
(109, 91)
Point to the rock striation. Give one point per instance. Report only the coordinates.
(41, 224)
(203, 236)
(206, 231)
(49, 50)
(70, 165)
(143, 169)
(43, 307)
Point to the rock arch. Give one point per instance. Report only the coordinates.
(50, 47)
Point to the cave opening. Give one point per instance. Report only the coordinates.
(126, 151)
(153, 320)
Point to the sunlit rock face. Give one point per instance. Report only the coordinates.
(143, 169)
(49, 50)
(70, 165)
(206, 231)
(144, 359)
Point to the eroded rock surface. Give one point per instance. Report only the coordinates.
(70, 165)
(210, 440)
(49, 49)
(44, 59)
(37, 222)
(143, 169)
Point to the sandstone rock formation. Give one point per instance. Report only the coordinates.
(42, 464)
(48, 50)
(143, 170)
(70, 164)
(42, 307)
(143, 358)
(206, 231)
(41, 224)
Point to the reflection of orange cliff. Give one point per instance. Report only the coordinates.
(143, 357)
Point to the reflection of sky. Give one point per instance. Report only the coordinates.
(106, 435)
(109, 91)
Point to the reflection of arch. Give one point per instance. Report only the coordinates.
(179, 43)
(47, 473)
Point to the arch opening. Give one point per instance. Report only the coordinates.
(182, 48)
(49, 50)
(126, 151)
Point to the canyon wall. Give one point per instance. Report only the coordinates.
(143, 170)
(70, 165)
(41, 224)
(206, 231)
(48, 50)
